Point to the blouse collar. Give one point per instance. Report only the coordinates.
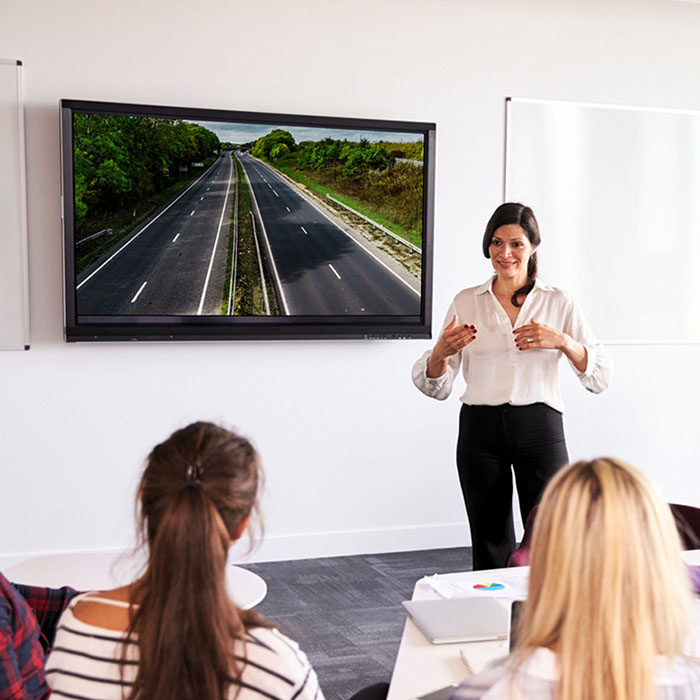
(486, 286)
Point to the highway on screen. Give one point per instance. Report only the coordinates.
(321, 269)
(173, 265)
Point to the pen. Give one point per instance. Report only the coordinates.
(465, 660)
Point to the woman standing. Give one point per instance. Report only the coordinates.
(508, 336)
(609, 612)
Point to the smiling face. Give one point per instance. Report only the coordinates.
(510, 250)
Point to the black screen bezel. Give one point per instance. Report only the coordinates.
(110, 328)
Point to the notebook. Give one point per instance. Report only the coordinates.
(452, 620)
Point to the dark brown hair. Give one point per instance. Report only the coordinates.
(514, 213)
(196, 491)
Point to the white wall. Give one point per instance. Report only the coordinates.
(357, 459)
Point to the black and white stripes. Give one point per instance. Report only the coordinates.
(86, 664)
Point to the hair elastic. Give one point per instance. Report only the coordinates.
(193, 476)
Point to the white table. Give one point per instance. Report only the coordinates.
(94, 571)
(421, 666)
(692, 557)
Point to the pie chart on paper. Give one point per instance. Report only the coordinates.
(489, 586)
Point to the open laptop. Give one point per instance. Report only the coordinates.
(515, 607)
(453, 620)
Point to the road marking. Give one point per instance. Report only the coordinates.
(278, 282)
(295, 190)
(201, 198)
(288, 209)
(355, 241)
(269, 185)
(176, 237)
(334, 272)
(207, 189)
(192, 212)
(135, 236)
(139, 292)
(304, 230)
(216, 242)
(275, 193)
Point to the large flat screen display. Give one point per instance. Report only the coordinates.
(209, 224)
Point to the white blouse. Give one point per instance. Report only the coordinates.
(536, 679)
(495, 371)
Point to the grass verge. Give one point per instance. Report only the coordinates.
(249, 299)
(322, 189)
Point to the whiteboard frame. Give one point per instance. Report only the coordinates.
(13, 338)
(507, 159)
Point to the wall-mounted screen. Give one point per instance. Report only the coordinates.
(209, 224)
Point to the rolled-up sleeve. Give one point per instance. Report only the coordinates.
(596, 377)
(439, 387)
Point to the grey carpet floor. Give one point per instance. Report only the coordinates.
(345, 612)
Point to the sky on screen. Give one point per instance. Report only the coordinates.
(244, 133)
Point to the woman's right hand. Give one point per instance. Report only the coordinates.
(452, 340)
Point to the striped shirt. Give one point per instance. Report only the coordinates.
(86, 660)
(536, 679)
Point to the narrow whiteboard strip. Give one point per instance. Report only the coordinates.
(601, 105)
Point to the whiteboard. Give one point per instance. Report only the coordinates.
(616, 192)
(14, 301)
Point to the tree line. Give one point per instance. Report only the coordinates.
(367, 172)
(353, 158)
(120, 160)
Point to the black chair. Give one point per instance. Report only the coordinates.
(521, 556)
(688, 523)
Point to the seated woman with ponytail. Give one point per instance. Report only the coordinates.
(175, 634)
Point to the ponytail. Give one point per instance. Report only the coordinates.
(197, 488)
(529, 284)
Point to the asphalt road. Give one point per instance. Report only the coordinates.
(321, 269)
(174, 264)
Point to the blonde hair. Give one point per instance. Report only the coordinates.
(608, 589)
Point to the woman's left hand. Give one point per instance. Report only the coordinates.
(537, 335)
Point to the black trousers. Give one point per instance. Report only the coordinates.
(492, 439)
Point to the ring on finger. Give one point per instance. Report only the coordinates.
(529, 340)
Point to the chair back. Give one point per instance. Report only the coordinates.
(688, 523)
(521, 556)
